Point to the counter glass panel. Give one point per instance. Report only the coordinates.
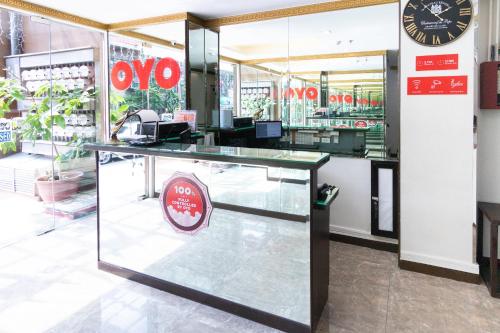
(260, 261)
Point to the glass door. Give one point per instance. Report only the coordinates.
(76, 61)
(27, 154)
(50, 108)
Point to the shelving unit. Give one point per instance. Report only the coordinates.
(73, 68)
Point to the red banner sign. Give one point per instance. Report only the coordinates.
(437, 62)
(167, 73)
(437, 85)
(185, 203)
(361, 124)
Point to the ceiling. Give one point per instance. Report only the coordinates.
(113, 11)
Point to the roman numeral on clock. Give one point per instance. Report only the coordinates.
(415, 6)
(465, 11)
(459, 2)
(408, 18)
(421, 37)
(461, 25)
(450, 36)
(412, 29)
(436, 40)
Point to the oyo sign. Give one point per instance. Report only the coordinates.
(311, 93)
(339, 98)
(167, 73)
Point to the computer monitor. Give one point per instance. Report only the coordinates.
(163, 130)
(268, 129)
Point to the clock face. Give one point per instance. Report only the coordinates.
(436, 23)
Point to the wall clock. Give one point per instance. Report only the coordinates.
(436, 23)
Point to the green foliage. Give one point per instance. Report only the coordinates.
(40, 120)
(256, 105)
(118, 106)
(159, 99)
(10, 91)
(76, 151)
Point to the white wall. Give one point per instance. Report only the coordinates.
(437, 163)
(351, 212)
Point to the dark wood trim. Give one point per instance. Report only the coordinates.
(98, 209)
(440, 272)
(256, 211)
(187, 66)
(288, 180)
(244, 311)
(319, 253)
(372, 244)
(261, 212)
(375, 227)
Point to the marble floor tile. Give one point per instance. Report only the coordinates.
(51, 284)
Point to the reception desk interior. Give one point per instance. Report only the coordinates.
(264, 254)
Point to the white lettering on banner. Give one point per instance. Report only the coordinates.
(5, 130)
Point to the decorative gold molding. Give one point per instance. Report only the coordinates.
(51, 13)
(314, 57)
(195, 19)
(151, 39)
(296, 11)
(139, 23)
(229, 59)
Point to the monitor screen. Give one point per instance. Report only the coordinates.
(268, 129)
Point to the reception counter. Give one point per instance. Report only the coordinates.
(239, 229)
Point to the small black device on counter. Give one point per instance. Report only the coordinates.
(162, 130)
(239, 122)
(324, 190)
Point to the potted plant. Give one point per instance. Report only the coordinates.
(56, 184)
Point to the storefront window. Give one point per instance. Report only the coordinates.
(142, 78)
(228, 97)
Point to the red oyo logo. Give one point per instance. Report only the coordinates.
(167, 73)
(185, 203)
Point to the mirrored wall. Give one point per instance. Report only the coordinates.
(323, 75)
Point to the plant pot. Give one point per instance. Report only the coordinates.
(57, 190)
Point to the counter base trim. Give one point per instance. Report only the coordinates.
(261, 212)
(240, 310)
(372, 244)
(440, 272)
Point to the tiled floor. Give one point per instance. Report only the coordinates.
(50, 283)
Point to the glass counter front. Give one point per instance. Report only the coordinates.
(254, 252)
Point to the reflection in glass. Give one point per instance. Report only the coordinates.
(249, 259)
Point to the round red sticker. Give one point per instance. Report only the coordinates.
(185, 203)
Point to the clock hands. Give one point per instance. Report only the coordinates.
(444, 11)
(427, 7)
